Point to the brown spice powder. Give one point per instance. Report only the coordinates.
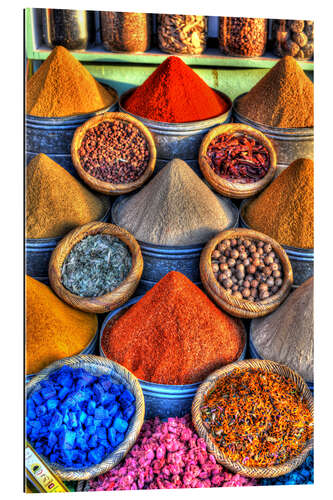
(283, 98)
(62, 86)
(56, 202)
(284, 210)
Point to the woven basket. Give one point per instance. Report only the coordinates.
(111, 300)
(108, 187)
(225, 186)
(98, 366)
(242, 308)
(236, 467)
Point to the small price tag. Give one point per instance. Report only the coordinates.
(38, 472)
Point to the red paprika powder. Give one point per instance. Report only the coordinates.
(174, 334)
(174, 93)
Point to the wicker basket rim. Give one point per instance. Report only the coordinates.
(223, 295)
(237, 128)
(86, 361)
(208, 384)
(98, 228)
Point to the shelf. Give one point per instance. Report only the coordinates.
(212, 57)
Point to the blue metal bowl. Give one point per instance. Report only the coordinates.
(161, 400)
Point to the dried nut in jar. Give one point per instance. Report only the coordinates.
(291, 48)
(300, 38)
(246, 293)
(237, 295)
(297, 26)
(216, 254)
(224, 266)
(231, 262)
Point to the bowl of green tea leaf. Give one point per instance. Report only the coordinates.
(96, 267)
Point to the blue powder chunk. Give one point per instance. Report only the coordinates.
(91, 430)
(98, 391)
(82, 443)
(101, 413)
(120, 425)
(63, 393)
(48, 392)
(112, 436)
(101, 433)
(52, 404)
(112, 410)
(65, 380)
(116, 389)
(66, 440)
(107, 422)
(35, 424)
(126, 398)
(129, 412)
(66, 417)
(91, 408)
(119, 438)
(41, 410)
(82, 417)
(93, 441)
(106, 382)
(107, 399)
(56, 421)
(96, 456)
(37, 398)
(72, 420)
(52, 439)
(90, 420)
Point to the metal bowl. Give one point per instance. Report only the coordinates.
(160, 260)
(179, 140)
(290, 143)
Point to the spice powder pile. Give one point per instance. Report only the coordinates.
(56, 202)
(283, 98)
(175, 208)
(174, 334)
(174, 93)
(62, 86)
(286, 335)
(54, 330)
(284, 210)
(257, 418)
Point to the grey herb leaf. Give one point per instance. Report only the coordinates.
(96, 265)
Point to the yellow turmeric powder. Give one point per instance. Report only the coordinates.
(284, 210)
(56, 202)
(54, 330)
(62, 86)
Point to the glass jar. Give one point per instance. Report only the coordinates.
(293, 37)
(72, 29)
(126, 31)
(242, 36)
(178, 34)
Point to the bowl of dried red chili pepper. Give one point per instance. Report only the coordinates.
(113, 153)
(238, 161)
(245, 272)
(256, 417)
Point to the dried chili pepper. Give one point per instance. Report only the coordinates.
(257, 418)
(238, 157)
